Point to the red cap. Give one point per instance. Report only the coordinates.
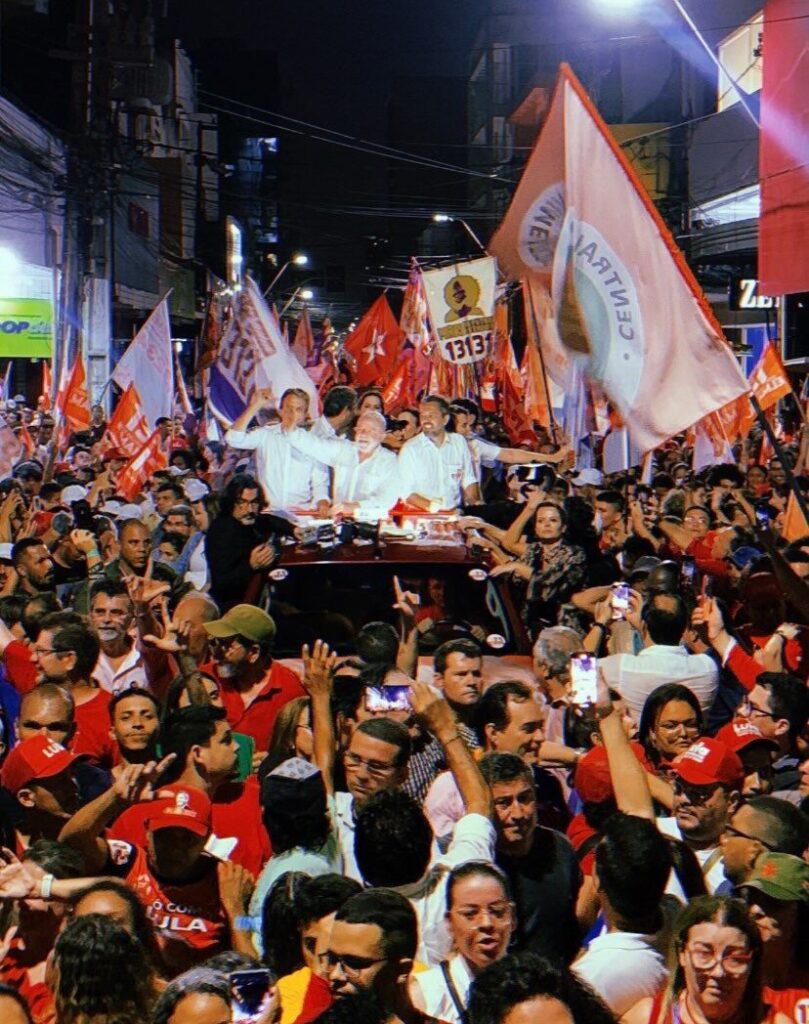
(180, 807)
(592, 780)
(740, 733)
(707, 762)
(36, 758)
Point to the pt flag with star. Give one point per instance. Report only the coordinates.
(374, 344)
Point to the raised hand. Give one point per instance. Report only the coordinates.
(138, 782)
(318, 668)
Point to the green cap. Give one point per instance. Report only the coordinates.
(781, 876)
(244, 620)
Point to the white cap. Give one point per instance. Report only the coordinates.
(195, 490)
(111, 508)
(177, 471)
(130, 511)
(591, 477)
(75, 492)
(5, 552)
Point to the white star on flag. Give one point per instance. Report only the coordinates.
(375, 350)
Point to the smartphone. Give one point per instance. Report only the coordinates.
(249, 991)
(583, 679)
(688, 571)
(763, 517)
(387, 698)
(620, 600)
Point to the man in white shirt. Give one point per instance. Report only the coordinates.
(435, 467)
(632, 865)
(339, 412)
(287, 478)
(466, 416)
(366, 475)
(664, 658)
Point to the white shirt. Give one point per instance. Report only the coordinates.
(131, 672)
(373, 482)
(341, 811)
(287, 478)
(437, 472)
(474, 839)
(484, 453)
(322, 428)
(634, 676)
(437, 1001)
(716, 873)
(623, 968)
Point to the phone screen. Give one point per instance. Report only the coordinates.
(583, 679)
(387, 698)
(249, 991)
(763, 517)
(620, 600)
(689, 571)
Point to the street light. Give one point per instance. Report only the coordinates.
(625, 5)
(445, 218)
(300, 259)
(300, 293)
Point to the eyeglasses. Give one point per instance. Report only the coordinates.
(734, 961)
(352, 966)
(753, 709)
(696, 795)
(376, 768)
(40, 652)
(692, 725)
(735, 832)
(499, 911)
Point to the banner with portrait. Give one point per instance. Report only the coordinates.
(461, 302)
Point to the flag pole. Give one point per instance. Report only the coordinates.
(779, 451)
(542, 366)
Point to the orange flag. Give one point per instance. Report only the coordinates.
(769, 380)
(148, 460)
(795, 525)
(398, 392)
(47, 385)
(73, 402)
(127, 428)
(26, 440)
(304, 342)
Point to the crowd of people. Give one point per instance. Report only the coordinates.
(399, 825)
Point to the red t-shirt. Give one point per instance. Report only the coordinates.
(793, 1002)
(188, 919)
(578, 832)
(236, 812)
(258, 718)
(26, 973)
(21, 669)
(93, 730)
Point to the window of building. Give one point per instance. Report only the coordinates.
(740, 55)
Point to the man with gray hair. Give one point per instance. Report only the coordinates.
(366, 478)
(554, 648)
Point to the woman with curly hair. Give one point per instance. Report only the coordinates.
(101, 974)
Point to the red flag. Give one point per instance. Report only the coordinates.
(783, 248)
(73, 403)
(398, 392)
(127, 428)
(27, 440)
(304, 344)
(47, 385)
(147, 460)
(375, 344)
(769, 380)
(415, 322)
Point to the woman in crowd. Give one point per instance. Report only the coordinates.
(716, 963)
(670, 722)
(480, 918)
(101, 974)
(291, 735)
(200, 996)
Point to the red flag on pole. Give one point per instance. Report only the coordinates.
(769, 380)
(415, 322)
(47, 385)
(127, 428)
(783, 247)
(398, 392)
(374, 344)
(73, 403)
(147, 460)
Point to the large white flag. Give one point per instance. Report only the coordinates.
(148, 364)
(626, 307)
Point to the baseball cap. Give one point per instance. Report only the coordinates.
(180, 807)
(741, 733)
(708, 762)
(130, 511)
(781, 876)
(112, 508)
(243, 620)
(35, 758)
(592, 779)
(744, 556)
(75, 492)
(5, 551)
(643, 566)
(585, 477)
